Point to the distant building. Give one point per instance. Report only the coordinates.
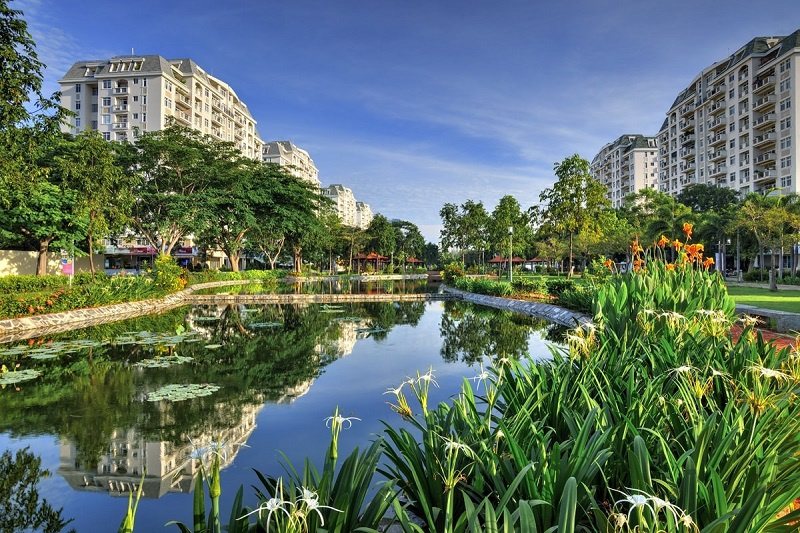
(363, 215)
(736, 125)
(285, 153)
(125, 95)
(343, 201)
(627, 166)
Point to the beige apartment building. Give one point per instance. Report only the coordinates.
(626, 166)
(126, 95)
(736, 125)
(351, 213)
(286, 154)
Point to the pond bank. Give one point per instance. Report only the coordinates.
(13, 329)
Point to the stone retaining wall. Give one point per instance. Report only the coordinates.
(553, 313)
(779, 321)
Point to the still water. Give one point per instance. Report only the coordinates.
(116, 400)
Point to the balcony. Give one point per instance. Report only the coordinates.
(716, 106)
(765, 138)
(767, 174)
(183, 101)
(687, 108)
(722, 153)
(718, 123)
(120, 90)
(216, 118)
(718, 170)
(120, 125)
(764, 120)
(763, 84)
(687, 152)
(688, 123)
(216, 104)
(716, 90)
(122, 108)
(764, 158)
(687, 165)
(180, 115)
(716, 139)
(764, 101)
(686, 138)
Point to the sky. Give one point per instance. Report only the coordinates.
(413, 104)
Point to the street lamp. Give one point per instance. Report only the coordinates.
(510, 254)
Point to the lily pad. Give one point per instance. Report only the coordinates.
(264, 324)
(179, 392)
(17, 376)
(163, 362)
(213, 346)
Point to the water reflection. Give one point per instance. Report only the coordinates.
(97, 386)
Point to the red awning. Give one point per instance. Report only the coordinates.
(498, 259)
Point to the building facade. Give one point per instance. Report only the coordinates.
(126, 95)
(626, 166)
(285, 153)
(736, 125)
(363, 215)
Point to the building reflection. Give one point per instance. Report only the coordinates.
(168, 467)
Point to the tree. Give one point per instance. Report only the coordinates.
(452, 234)
(381, 236)
(42, 213)
(182, 173)
(21, 509)
(508, 214)
(294, 208)
(104, 195)
(408, 239)
(702, 198)
(475, 222)
(574, 200)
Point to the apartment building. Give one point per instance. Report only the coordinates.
(285, 153)
(363, 215)
(626, 166)
(736, 124)
(125, 95)
(351, 213)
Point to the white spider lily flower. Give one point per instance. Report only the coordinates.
(341, 421)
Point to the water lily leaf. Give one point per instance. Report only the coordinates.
(163, 362)
(178, 392)
(213, 346)
(17, 376)
(264, 324)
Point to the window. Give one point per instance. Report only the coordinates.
(732, 143)
(136, 81)
(105, 119)
(144, 100)
(135, 98)
(106, 84)
(136, 116)
(77, 122)
(78, 105)
(786, 181)
(785, 85)
(786, 142)
(106, 101)
(94, 124)
(784, 65)
(167, 102)
(732, 160)
(106, 135)
(144, 82)
(731, 109)
(786, 162)
(144, 117)
(77, 87)
(786, 123)
(732, 126)
(786, 103)
(731, 93)
(94, 108)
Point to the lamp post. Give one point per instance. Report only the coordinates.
(510, 254)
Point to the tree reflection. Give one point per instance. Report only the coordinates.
(21, 509)
(470, 332)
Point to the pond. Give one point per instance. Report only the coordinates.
(117, 400)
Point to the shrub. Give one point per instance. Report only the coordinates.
(452, 271)
(579, 298)
(167, 274)
(530, 285)
(557, 286)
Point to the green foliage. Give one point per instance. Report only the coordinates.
(21, 508)
(208, 276)
(580, 298)
(167, 274)
(452, 272)
(556, 287)
(530, 285)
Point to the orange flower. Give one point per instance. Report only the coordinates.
(677, 244)
(608, 263)
(708, 262)
(670, 267)
(637, 264)
(687, 229)
(635, 247)
(663, 241)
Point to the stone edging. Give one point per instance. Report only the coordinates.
(784, 321)
(553, 313)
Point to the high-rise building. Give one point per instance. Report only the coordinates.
(736, 124)
(363, 215)
(126, 95)
(627, 166)
(285, 153)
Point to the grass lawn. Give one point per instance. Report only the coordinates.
(788, 300)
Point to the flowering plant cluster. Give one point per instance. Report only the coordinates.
(687, 254)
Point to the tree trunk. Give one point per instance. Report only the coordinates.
(41, 262)
(90, 239)
(569, 272)
(773, 283)
(234, 259)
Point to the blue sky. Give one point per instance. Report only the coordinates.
(412, 103)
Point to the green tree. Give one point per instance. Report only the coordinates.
(104, 195)
(574, 200)
(475, 221)
(408, 240)
(43, 213)
(21, 508)
(381, 236)
(182, 175)
(452, 234)
(702, 198)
